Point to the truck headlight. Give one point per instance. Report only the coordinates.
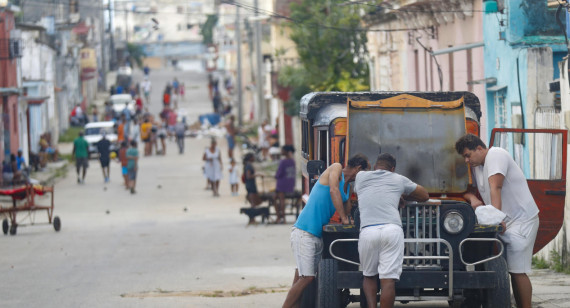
(453, 222)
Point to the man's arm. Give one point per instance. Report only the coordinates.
(334, 175)
(496, 185)
(73, 152)
(419, 194)
(471, 197)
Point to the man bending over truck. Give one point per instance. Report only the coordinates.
(329, 194)
(501, 182)
(381, 240)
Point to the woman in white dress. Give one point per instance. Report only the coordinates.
(213, 169)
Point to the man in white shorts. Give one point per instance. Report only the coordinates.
(381, 240)
(501, 182)
(327, 197)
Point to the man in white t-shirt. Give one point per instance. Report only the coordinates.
(381, 240)
(501, 182)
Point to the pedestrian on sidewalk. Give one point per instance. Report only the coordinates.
(327, 196)
(132, 165)
(124, 162)
(94, 114)
(146, 87)
(263, 133)
(213, 160)
(285, 175)
(233, 177)
(80, 154)
(104, 148)
(180, 131)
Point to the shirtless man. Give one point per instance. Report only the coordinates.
(329, 194)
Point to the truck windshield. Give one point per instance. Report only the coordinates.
(422, 139)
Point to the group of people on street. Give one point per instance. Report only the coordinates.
(381, 191)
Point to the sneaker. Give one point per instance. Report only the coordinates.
(106, 180)
(133, 191)
(78, 181)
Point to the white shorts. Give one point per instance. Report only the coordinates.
(519, 243)
(307, 250)
(381, 250)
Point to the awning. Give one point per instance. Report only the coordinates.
(488, 80)
(496, 88)
(10, 91)
(457, 48)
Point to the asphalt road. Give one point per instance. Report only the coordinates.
(170, 245)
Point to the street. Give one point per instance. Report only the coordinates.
(171, 244)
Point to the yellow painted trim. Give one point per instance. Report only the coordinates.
(405, 101)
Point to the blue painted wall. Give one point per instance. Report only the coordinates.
(527, 23)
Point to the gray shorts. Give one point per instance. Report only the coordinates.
(82, 162)
(132, 174)
(307, 250)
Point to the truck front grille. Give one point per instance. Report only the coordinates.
(421, 221)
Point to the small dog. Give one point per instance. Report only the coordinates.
(253, 212)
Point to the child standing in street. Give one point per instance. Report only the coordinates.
(233, 177)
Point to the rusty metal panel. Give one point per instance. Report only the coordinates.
(422, 139)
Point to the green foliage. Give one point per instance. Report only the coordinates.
(295, 79)
(136, 54)
(540, 263)
(558, 263)
(332, 51)
(70, 134)
(207, 29)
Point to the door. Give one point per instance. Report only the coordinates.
(541, 154)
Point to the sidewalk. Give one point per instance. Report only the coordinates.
(51, 172)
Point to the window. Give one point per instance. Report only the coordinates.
(323, 146)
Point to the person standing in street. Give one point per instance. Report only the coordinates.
(233, 177)
(146, 87)
(81, 155)
(146, 128)
(124, 163)
(213, 159)
(132, 165)
(381, 239)
(285, 176)
(230, 135)
(179, 132)
(121, 130)
(327, 196)
(263, 133)
(502, 184)
(104, 148)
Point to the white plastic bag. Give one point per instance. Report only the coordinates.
(489, 215)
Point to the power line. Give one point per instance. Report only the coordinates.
(292, 20)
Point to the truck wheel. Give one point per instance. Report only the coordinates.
(5, 226)
(309, 296)
(328, 294)
(499, 296)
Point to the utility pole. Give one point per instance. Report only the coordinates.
(239, 85)
(111, 35)
(262, 110)
(126, 11)
(104, 66)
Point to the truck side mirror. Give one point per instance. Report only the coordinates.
(314, 169)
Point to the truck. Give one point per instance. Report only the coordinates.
(448, 255)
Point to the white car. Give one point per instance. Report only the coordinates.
(119, 101)
(93, 133)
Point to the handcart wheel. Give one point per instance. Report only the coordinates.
(5, 226)
(56, 223)
(13, 229)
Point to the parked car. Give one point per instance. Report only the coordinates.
(448, 255)
(124, 77)
(94, 131)
(119, 101)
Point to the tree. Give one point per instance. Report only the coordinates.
(331, 45)
(136, 54)
(207, 29)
